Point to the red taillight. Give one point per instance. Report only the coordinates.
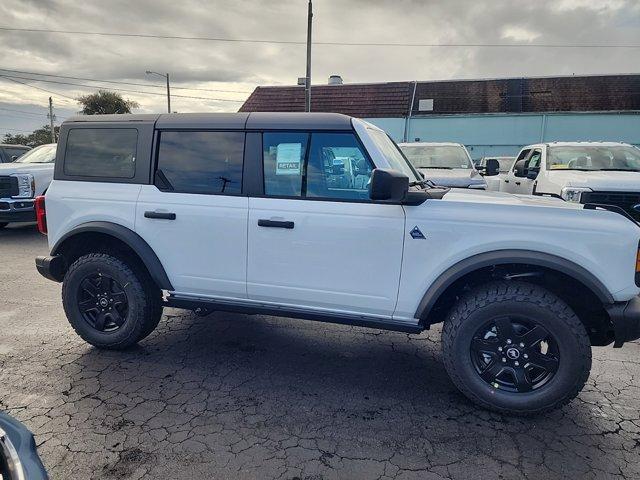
(41, 214)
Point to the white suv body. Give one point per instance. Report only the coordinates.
(23, 180)
(579, 172)
(250, 213)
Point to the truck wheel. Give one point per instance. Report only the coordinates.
(108, 304)
(516, 348)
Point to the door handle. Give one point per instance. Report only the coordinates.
(517, 183)
(506, 181)
(160, 215)
(275, 223)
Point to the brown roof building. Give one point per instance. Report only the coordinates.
(593, 93)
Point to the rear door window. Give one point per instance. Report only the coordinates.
(101, 152)
(283, 155)
(203, 162)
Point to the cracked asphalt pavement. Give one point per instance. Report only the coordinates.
(237, 396)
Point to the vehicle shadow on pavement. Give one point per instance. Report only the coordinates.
(17, 230)
(269, 392)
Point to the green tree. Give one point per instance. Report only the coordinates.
(38, 137)
(104, 102)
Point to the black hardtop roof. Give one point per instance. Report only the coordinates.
(229, 121)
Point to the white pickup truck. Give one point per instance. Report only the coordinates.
(579, 172)
(21, 181)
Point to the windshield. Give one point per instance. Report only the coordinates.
(42, 154)
(591, 157)
(433, 156)
(393, 154)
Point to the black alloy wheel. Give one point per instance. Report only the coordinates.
(514, 354)
(102, 302)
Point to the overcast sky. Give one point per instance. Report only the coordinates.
(237, 67)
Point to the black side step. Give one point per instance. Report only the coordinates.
(359, 321)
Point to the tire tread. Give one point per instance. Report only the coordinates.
(500, 291)
(142, 293)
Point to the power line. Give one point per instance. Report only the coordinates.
(344, 44)
(9, 77)
(124, 83)
(38, 88)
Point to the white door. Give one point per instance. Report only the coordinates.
(509, 182)
(523, 184)
(315, 241)
(195, 218)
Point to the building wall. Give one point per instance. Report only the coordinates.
(505, 134)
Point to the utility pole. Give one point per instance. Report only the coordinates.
(51, 120)
(307, 88)
(168, 95)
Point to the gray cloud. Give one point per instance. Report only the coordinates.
(239, 66)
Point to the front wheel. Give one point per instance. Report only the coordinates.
(109, 302)
(516, 348)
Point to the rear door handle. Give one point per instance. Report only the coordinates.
(517, 183)
(275, 223)
(160, 215)
(506, 181)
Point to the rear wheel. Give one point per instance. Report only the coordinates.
(3, 224)
(108, 303)
(516, 348)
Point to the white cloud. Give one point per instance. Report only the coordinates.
(519, 34)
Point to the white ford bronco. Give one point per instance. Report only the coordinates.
(579, 172)
(321, 217)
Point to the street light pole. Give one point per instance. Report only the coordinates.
(165, 75)
(307, 88)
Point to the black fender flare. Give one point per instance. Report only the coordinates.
(503, 257)
(129, 237)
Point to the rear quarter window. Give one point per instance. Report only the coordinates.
(101, 152)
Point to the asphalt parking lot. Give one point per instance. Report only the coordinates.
(235, 396)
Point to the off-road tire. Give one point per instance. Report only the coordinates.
(479, 306)
(144, 308)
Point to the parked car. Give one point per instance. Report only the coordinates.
(240, 212)
(22, 180)
(495, 176)
(10, 153)
(579, 172)
(446, 164)
(19, 458)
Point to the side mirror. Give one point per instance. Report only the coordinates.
(532, 173)
(14, 158)
(492, 167)
(388, 185)
(519, 169)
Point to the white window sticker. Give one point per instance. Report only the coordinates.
(288, 159)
